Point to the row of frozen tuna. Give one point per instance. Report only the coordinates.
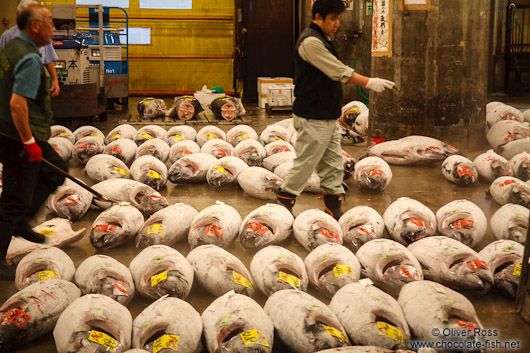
(358, 313)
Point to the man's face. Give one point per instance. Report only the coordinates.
(330, 24)
(45, 27)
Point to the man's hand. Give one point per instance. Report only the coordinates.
(34, 151)
(55, 89)
(379, 84)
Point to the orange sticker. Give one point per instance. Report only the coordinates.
(257, 227)
(156, 197)
(464, 171)
(463, 223)
(327, 233)
(408, 271)
(17, 317)
(507, 182)
(363, 230)
(476, 264)
(121, 288)
(221, 153)
(117, 150)
(432, 148)
(375, 172)
(466, 325)
(185, 152)
(104, 228)
(80, 147)
(70, 200)
(418, 222)
(214, 230)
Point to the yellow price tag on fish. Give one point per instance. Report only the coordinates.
(115, 137)
(64, 134)
(517, 270)
(178, 137)
(47, 232)
(342, 270)
(243, 137)
(211, 136)
(158, 228)
(161, 277)
(44, 275)
(276, 138)
(103, 339)
(166, 342)
(239, 279)
(146, 136)
(121, 171)
(220, 169)
(336, 333)
(293, 280)
(385, 329)
(95, 134)
(254, 337)
(154, 174)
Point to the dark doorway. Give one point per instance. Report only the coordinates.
(265, 35)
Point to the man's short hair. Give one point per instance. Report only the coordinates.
(23, 3)
(28, 14)
(325, 7)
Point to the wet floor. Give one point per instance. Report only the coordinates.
(423, 183)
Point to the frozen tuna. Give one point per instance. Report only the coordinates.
(69, 201)
(150, 171)
(312, 184)
(159, 270)
(225, 171)
(360, 225)
(373, 173)
(260, 183)
(315, 227)
(408, 220)
(228, 108)
(151, 108)
(504, 258)
(102, 274)
(43, 264)
(389, 265)
(217, 224)
(491, 165)
(278, 147)
(412, 150)
(460, 170)
(93, 323)
(209, 132)
(350, 112)
(371, 316)
(240, 133)
(365, 349)
(503, 112)
(462, 220)
(123, 149)
(520, 166)
(441, 308)
(86, 148)
(62, 131)
(168, 226)
(123, 131)
(269, 224)
(510, 190)
(149, 132)
(103, 166)
(33, 312)
(304, 323)
(506, 131)
(274, 268)
(217, 148)
(141, 196)
(276, 159)
(510, 222)
(332, 266)
(88, 130)
(251, 152)
(236, 323)
(220, 272)
(62, 146)
(115, 226)
(183, 148)
(453, 264)
(191, 168)
(180, 133)
(184, 108)
(275, 133)
(169, 324)
(58, 232)
(155, 147)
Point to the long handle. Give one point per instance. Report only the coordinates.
(84, 186)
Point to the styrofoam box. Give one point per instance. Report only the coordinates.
(263, 86)
(280, 95)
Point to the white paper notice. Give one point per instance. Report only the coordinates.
(415, 2)
(381, 26)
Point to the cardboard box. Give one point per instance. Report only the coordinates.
(280, 95)
(263, 87)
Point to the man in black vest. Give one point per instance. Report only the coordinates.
(319, 75)
(25, 119)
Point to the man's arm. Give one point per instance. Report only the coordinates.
(20, 115)
(54, 89)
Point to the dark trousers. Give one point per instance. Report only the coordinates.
(26, 186)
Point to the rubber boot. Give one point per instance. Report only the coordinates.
(286, 199)
(332, 205)
(6, 231)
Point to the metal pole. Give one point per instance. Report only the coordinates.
(522, 300)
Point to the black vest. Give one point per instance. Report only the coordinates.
(317, 96)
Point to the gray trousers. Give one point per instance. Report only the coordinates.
(317, 148)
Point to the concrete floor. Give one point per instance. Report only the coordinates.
(424, 183)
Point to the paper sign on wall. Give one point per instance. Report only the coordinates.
(382, 28)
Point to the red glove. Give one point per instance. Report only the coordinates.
(34, 152)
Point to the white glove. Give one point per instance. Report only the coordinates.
(379, 84)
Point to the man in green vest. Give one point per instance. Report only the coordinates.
(25, 119)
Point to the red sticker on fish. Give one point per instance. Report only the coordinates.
(104, 228)
(80, 147)
(328, 233)
(464, 171)
(364, 230)
(375, 172)
(463, 223)
(466, 325)
(156, 197)
(17, 317)
(432, 148)
(418, 222)
(185, 152)
(221, 153)
(476, 264)
(214, 230)
(118, 150)
(507, 182)
(121, 288)
(257, 227)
